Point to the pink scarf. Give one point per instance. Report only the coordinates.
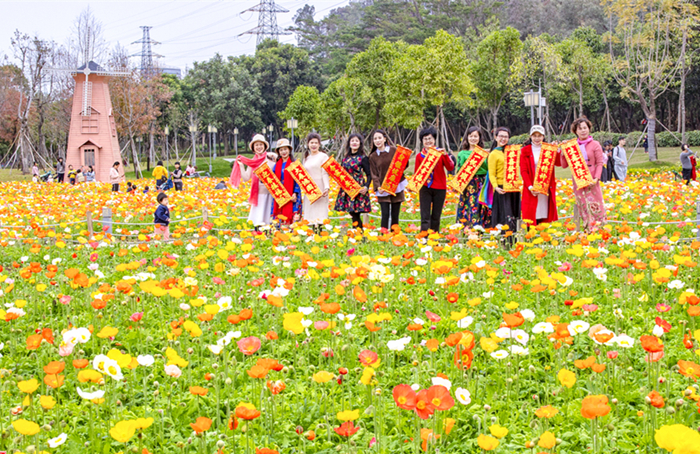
(235, 178)
(583, 144)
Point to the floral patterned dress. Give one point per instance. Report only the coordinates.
(357, 166)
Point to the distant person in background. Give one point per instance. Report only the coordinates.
(60, 170)
(145, 190)
(686, 163)
(89, 175)
(608, 162)
(79, 176)
(115, 177)
(71, 175)
(35, 173)
(177, 177)
(160, 173)
(620, 158)
(645, 144)
(220, 185)
(190, 171)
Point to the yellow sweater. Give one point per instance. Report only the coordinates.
(497, 167)
(160, 172)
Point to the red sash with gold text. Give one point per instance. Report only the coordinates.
(346, 182)
(579, 168)
(545, 168)
(468, 170)
(513, 181)
(396, 168)
(426, 168)
(273, 184)
(304, 180)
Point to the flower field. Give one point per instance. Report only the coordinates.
(225, 340)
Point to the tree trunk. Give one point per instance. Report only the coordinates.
(177, 150)
(494, 121)
(651, 137)
(151, 147)
(135, 157)
(418, 144)
(607, 107)
(681, 96)
(24, 147)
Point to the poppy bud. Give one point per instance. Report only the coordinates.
(670, 410)
(299, 430)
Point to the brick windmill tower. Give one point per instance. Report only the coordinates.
(92, 137)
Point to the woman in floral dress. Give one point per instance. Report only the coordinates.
(357, 165)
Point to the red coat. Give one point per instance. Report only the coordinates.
(529, 202)
(439, 177)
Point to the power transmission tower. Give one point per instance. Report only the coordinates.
(267, 21)
(147, 68)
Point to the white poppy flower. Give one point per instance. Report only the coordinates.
(543, 327)
(99, 394)
(442, 381)
(58, 441)
(499, 354)
(463, 396)
(145, 360)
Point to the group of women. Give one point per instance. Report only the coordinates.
(483, 203)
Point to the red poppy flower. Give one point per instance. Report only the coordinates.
(424, 408)
(440, 397)
(247, 413)
(232, 422)
(651, 344)
(405, 397)
(346, 429)
(249, 345)
(655, 399)
(368, 357)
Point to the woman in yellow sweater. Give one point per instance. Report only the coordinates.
(506, 205)
(160, 173)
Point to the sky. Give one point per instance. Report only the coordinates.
(188, 31)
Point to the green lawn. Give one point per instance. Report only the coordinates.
(222, 168)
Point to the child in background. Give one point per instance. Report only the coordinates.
(145, 190)
(162, 217)
(177, 177)
(71, 175)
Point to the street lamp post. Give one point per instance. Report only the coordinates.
(291, 124)
(270, 129)
(235, 140)
(532, 99)
(214, 130)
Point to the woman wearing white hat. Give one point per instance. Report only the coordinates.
(260, 199)
(537, 208)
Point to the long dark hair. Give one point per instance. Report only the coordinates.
(309, 138)
(386, 138)
(465, 141)
(494, 144)
(361, 150)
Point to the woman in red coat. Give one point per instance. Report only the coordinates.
(536, 208)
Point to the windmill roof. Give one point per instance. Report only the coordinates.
(93, 66)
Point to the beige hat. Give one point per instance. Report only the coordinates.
(258, 138)
(537, 128)
(282, 143)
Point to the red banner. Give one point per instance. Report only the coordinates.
(346, 182)
(545, 168)
(273, 184)
(579, 168)
(304, 180)
(513, 181)
(426, 168)
(468, 170)
(398, 165)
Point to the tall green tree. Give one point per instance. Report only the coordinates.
(305, 106)
(498, 69)
(643, 50)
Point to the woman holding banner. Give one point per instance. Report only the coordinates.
(380, 160)
(260, 199)
(317, 212)
(470, 212)
(589, 199)
(539, 199)
(357, 165)
(286, 213)
(506, 205)
(433, 192)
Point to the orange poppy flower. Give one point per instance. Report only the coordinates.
(432, 345)
(440, 397)
(651, 344)
(372, 327)
(405, 397)
(80, 363)
(247, 413)
(271, 335)
(346, 429)
(359, 294)
(689, 369)
(594, 406)
(276, 386)
(452, 297)
(585, 363)
(54, 381)
(201, 425)
(234, 319)
(598, 368)
(330, 308)
(205, 317)
(546, 412)
(266, 451)
(198, 390)
(246, 314)
(274, 300)
(655, 400)
(258, 372)
(368, 357)
(47, 335)
(414, 327)
(513, 320)
(34, 341)
(424, 408)
(232, 422)
(54, 367)
(270, 364)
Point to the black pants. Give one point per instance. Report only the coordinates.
(115, 187)
(431, 203)
(160, 182)
(390, 211)
(59, 177)
(178, 185)
(687, 174)
(356, 220)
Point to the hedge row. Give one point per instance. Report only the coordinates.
(663, 139)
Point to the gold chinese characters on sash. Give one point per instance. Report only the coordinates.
(395, 171)
(513, 181)
(306, 183)
(468, 170)
(346, 182)
(579, 168)
(426, 168)
(273, 184)
(545, 168)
